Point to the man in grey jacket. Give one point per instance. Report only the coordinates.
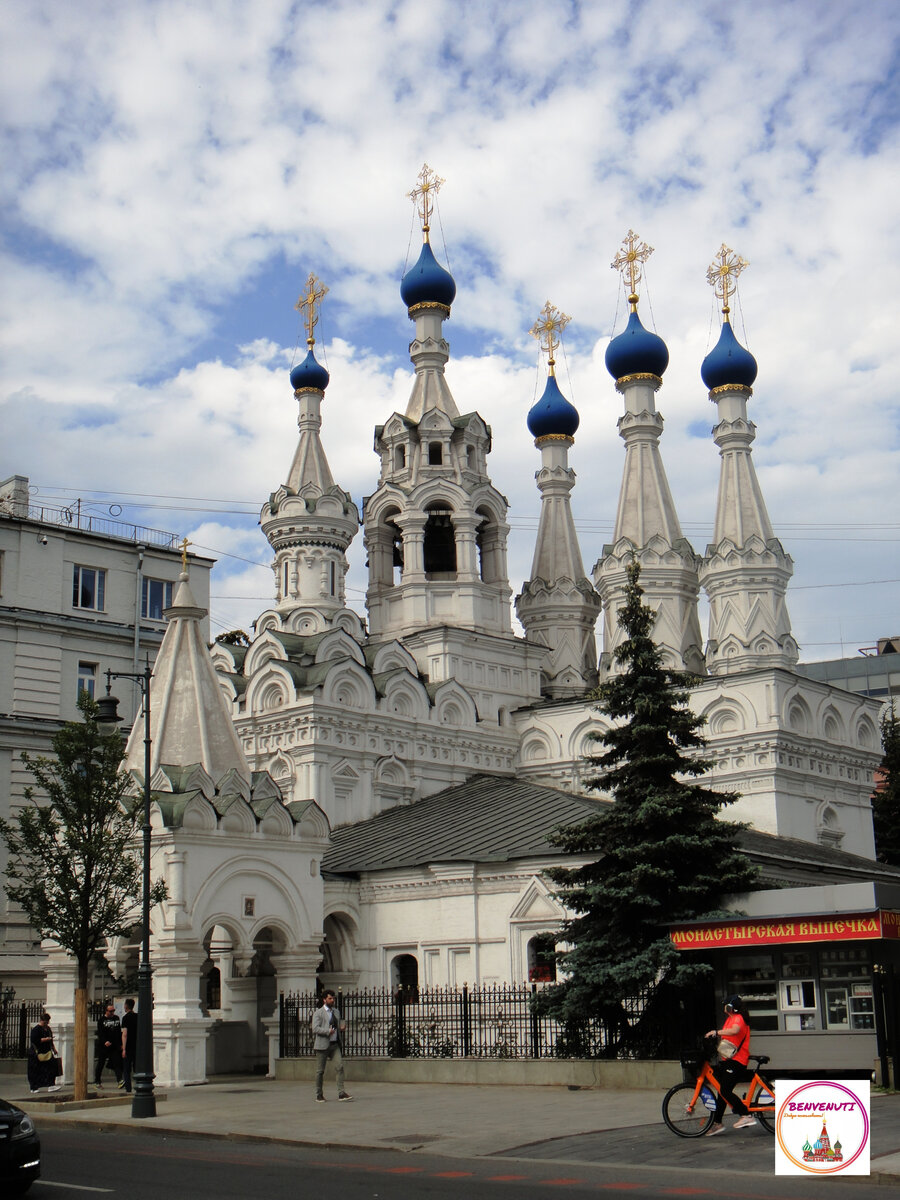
(327, 1027)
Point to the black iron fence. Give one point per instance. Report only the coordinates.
(494, 1021)
(18, 1020)
(16, 1023)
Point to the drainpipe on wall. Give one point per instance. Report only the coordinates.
(475, 923)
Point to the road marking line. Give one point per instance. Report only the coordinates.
(75, 1187)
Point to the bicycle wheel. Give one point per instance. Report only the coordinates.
(766, 1119)
(679, 1120)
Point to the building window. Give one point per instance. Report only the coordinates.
(405, 978)
(435, 454)
(542, 958)
(89, 588)
(156, 596)
(87, 678)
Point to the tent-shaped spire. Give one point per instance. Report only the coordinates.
(745, 570)
(189, 718)
(647, 527)
(557, 606)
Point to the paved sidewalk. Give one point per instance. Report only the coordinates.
(454, 1120)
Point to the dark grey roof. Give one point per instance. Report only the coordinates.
(768, 848)
(492, 818)
(488, 818)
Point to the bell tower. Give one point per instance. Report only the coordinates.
(435, 527)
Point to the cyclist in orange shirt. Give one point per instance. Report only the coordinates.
(731, 1069)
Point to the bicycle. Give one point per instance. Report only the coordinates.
(688, 1107)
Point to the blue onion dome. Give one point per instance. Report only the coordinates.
(309, 374)
(553, 414)
(636, 351)
(427, 282)
(728, 362)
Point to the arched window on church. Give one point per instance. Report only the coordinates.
(490, 567)
(214, 988)
(542, 958)
(440, 543)
(435, 454)
(405, 978)
(396, 553)
(386, 551)
(399, 458)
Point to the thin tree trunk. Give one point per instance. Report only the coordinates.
(81, 1036)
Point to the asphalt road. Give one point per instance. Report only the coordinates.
(82, 1163)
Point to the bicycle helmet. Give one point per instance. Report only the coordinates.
(735, 1003)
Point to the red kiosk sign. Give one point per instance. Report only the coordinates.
(751, 931)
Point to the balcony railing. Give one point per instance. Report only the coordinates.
(77, 518)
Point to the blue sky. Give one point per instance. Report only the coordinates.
(173, 172)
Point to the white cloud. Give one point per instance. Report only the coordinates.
(161, 158)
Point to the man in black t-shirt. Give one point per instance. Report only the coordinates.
(129, 1041)
(109, 1045)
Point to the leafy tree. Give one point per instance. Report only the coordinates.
(234, 637)
(73, 864)
(886, 797)
(658, 853)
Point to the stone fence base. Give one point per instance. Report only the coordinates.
(613, 1075)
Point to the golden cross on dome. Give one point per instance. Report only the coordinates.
(184, 545)
(548, 331)
(316, 291)
(429, 184)
(722, 274)
(627, 263)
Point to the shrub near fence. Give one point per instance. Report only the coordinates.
(494, 1021)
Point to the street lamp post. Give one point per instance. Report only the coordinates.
(144, 1102)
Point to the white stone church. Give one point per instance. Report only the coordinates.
(369, 802)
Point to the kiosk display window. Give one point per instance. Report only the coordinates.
(753, 978)
(847, 984)
(813, 988)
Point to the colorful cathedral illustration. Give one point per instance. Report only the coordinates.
(822, 1150)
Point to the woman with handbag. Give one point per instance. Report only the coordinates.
(42, 1057)
(734, 1052)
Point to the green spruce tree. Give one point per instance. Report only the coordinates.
(657, 853)
(886, 797)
